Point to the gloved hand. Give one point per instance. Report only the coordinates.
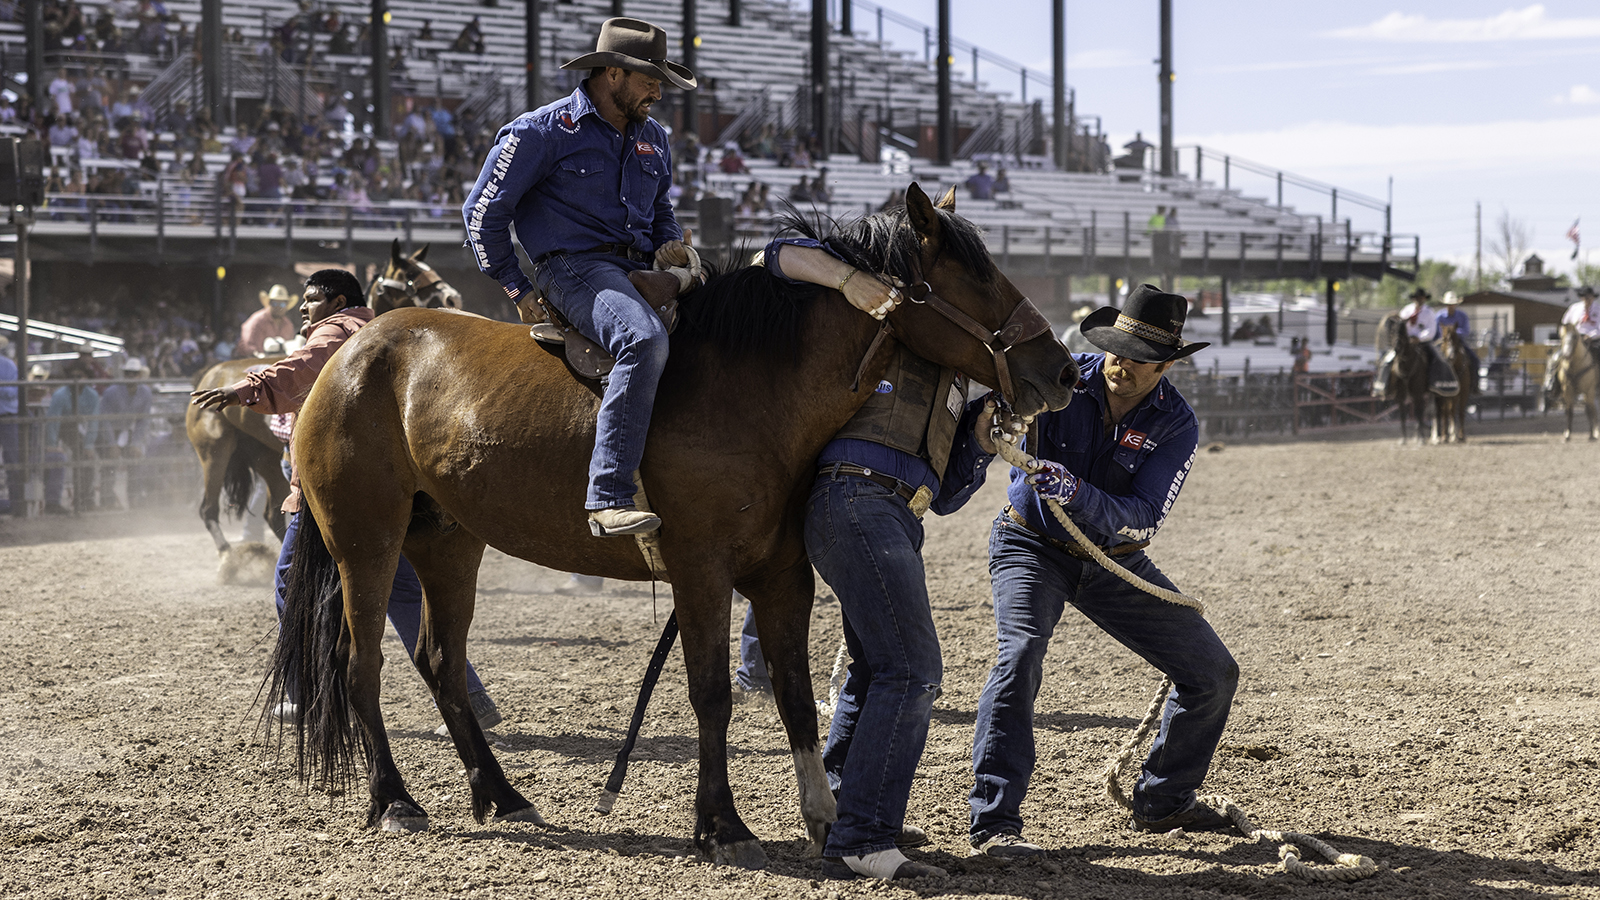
(1053, 482)
(997, 414)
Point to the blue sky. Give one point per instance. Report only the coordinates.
(1459, 101)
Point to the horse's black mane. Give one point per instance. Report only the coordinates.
(747, 311)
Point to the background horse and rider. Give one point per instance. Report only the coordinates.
(234, 444)
(1574, 373)
(439, 435)
(1404, 378)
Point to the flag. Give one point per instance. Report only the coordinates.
(1572, 235)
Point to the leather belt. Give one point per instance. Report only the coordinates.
(916, 498)
(625, 251)
(1072, 550)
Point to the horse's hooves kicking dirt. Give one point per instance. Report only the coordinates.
(526, 814)
(403, 818)
(252, 563)
(744, 855)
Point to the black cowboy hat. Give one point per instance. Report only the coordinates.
(637, 46)
(1148, 328)
(1586, 291)
(1420, 293)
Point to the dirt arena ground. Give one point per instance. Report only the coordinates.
(1416, 629)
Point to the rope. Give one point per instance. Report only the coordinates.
(835, 681)
(1345, 866)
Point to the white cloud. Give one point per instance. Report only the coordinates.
(1578, 95)
(1428, 68)
(1342, 149)
(1526, 24)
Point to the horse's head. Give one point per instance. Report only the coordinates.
(965, 314)
(408, 281)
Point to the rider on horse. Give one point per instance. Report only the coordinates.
(1452, 314)
(1584, 315)
(1421, 322)
(585, 182)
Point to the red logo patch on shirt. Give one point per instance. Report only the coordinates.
(644, 149)
(1133, 440)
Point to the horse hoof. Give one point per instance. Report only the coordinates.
(744, 855)
(526, 814)
(403, 818)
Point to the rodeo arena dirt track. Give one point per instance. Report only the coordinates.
(1415, 627)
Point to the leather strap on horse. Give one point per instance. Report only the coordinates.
(1024, 324)
(1345, 866)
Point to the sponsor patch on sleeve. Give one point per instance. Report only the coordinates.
(513, 292)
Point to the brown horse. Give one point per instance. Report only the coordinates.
(1450, 413)
(438, 434)
(1407, 387)
(233, 442)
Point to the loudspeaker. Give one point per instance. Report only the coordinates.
(10, 183)
(21, 172)
(31, 155)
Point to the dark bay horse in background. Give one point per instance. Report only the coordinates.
(1576, 373)
(1408, 372)
(1450, 413)
(437, 434)
(234, 442)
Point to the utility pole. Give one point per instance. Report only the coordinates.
(1166, 76)
(379, 32)
(1058, 99)
(819, 69)
(691, 42)
(531, 52)
(947, 135)
(1477, 257)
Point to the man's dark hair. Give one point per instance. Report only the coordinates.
(335, 282)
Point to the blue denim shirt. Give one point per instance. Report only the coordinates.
(569, 182)
(1454, 315)
(1131, 475)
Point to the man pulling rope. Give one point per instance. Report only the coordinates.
(1132, 437)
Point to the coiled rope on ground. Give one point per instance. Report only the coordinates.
(1345, 866)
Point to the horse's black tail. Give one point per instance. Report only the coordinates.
(309, 662)
(236, 480)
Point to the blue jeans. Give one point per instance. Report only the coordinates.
(405, 599)
(1033, 582)
(868, 547)
(752, 672)
(11, 449)
(592, 290)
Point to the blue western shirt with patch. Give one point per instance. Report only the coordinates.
(1130, 475)
(569, 182)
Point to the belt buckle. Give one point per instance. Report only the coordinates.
(920, 501)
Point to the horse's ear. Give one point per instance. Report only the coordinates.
(421, 254)
(394, 252)
(919, 209)
(948, 201)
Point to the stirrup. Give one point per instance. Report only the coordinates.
(547, 333)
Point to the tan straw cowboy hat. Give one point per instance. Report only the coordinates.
(279, 294)
(637, 46)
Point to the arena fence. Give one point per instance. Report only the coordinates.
(98, 461)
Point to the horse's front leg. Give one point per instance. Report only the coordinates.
(783, 620)
(702, 600)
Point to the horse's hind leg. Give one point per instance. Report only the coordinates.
(783, 620)
(214, 468)
(447, 566)
(702, 602)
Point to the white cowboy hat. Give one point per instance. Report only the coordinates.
(133, 364)
(1450, 298)
(279, 293)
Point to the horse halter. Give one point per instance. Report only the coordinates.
(425, 278)
(1024, 324)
